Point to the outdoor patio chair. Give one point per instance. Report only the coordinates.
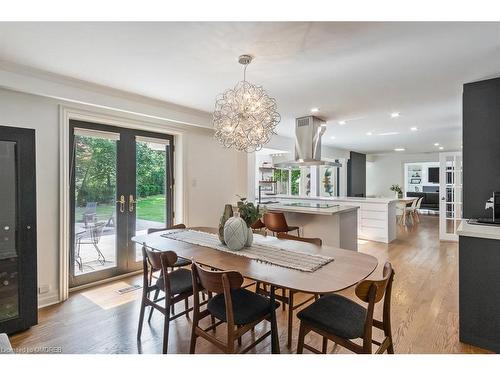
(91, 236)
(90, 213)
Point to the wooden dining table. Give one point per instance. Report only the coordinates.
(347, 268)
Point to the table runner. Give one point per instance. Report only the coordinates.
(260, 251)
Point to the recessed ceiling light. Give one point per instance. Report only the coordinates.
(413, 128)
(388, 133)
(332, 137)
(441, 148)
(369, 133)
(395, 114)
(399, 149)
(342, 122)
(314, 110)
(436, 144)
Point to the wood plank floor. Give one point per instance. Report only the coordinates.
(424, 308)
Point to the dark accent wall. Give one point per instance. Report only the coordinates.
(356, 175)
(481, 145)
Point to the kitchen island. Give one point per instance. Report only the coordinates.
(376, 218)
(335, 224)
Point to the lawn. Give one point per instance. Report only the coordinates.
(149, 208)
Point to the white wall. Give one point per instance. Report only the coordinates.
(213, 176)
(384, 170)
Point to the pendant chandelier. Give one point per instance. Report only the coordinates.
(245, 117)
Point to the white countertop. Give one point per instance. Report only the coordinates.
(309, 210)
(340, 199)
(478, 231)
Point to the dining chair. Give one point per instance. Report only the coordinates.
(341, 320)
(181, 262)
(276, 223)
(258, 226)
(409, 212)
(417, 208)
(289, 300)
(176, 286)
(238, 307)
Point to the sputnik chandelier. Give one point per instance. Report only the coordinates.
(245, 117)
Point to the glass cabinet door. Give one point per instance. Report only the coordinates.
(9, 274)
(18, 278)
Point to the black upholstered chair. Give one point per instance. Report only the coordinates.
(239, 308)
(181, 262)
(341, 320)
(176, 286)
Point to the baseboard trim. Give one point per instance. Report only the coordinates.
(48, 299)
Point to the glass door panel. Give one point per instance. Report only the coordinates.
(151, 187)
(450, 209)
(9, 275)
(94, 200)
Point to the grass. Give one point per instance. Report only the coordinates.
(149, 208)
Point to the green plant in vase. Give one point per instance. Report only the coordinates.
(397, 190)
(327, 182)
(250, 213)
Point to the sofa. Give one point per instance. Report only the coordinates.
(430, 201)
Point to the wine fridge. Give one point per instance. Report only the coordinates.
(18, 256)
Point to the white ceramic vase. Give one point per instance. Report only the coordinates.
(249, 238)
(235, 233)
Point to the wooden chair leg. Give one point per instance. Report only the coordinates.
(157, 292)
(300, 343)
(141, 319)
(166, 326)
(194, 336)
(283, 294)
(186, 305)
(324, 347)
(390, 348)
(298, 232)
(239, 338)
(290, 318)
(212, 319)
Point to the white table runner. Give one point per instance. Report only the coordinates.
(259, 250)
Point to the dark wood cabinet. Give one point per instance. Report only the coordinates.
(18, 255)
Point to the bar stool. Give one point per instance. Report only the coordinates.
(276, 223)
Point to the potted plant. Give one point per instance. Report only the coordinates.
(250, 214)
(397, 190)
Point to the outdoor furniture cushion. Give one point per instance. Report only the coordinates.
(337, 315)
(247, 306)
(180, 281)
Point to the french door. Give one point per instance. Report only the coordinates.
(121, 185)
(450, 192)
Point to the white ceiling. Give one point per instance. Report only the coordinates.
(358, 72)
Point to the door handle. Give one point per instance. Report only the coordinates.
(131, 203)
(122, 203)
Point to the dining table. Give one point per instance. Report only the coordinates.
(347, 268)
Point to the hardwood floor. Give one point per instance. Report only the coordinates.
(424, 308)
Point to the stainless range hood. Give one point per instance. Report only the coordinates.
(308, 133)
